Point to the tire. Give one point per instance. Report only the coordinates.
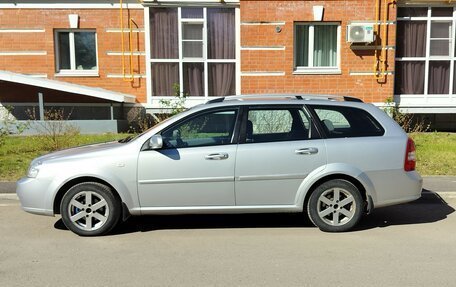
(90, 209)
(335, 206)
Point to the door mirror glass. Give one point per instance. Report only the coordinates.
(156, 142)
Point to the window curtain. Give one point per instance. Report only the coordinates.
(163, 33)
(325, 46)
(439, 76)
(164, 77)
(411, 42)
(221, 45)
(194, 79)
(409, 77)
(221, 33)
(411, 38)
(222, 79)
(302, 45)
(164, 45)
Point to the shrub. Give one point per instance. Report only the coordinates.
(408, 122)
(56, 131)
(176, 104)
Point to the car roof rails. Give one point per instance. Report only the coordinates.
(352, 99)
(216, 100)
(285, 96)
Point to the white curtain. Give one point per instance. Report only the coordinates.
(325, 46)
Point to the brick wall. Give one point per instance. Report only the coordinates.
(287, 12)
(365, 87)
(43, 42)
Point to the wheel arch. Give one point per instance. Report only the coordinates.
(351, 179)
(65, 187)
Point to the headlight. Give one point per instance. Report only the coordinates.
(34, 169)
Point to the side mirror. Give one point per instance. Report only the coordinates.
(156, 142)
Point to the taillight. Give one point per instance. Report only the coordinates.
(410, 156)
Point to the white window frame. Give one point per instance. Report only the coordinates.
(431, 99)
(154, 100)
(311, 69)
(73, 72)
(449, 39)
(203, 40)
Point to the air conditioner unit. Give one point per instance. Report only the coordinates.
(360, 33)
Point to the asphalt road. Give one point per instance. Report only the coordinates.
(408, 245)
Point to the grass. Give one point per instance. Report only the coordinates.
(436, 152)
(18, 151)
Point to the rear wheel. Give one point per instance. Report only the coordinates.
(335, 206)
(90, 209)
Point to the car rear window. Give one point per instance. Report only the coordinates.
(341, 122)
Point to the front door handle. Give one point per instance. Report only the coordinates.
(306, 151)
(217, 156)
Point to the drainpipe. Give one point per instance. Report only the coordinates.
(380, 68)
(130, 77)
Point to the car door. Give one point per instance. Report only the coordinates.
(279, 147)
(195, 167)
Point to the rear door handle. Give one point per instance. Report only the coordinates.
(305, 151)
(217, 156)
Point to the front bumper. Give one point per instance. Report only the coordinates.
(33, 194)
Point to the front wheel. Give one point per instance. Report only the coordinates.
(90, 209)
(335, 206)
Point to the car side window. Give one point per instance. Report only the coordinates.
(339, 122)
(207, 129)
(271, 125)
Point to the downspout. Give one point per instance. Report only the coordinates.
(380, 65)
(376, 33)
(130, 78)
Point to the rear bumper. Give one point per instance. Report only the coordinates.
(400, 187)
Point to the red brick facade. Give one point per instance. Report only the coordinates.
(102, 20)
(365, 87)
(285, 13)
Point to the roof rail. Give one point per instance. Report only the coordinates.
(352, 99)
(216, 100)
(286, 96)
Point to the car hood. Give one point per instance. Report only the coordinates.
(79, 152)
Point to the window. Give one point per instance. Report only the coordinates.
(193, 51)
(317, 47)
(214, 128)
(270, 125)
(426, 55)
(76, 52)
(341, 122)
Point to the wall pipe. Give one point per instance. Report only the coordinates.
(380, 65)
(130, 78)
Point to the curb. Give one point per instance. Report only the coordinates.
(7, 187)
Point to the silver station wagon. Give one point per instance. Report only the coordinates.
(332, 158)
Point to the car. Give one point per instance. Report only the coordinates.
(332, 158)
